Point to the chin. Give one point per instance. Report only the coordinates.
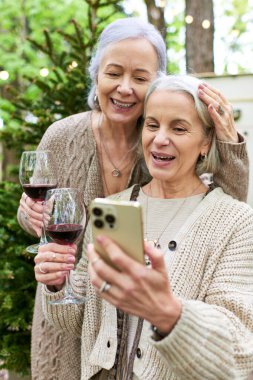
(124, 119)
(159, 176)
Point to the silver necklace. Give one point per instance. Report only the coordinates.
(116, 172)
(156, 242)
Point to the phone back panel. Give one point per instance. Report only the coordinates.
(122, 222)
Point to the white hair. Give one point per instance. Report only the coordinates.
(122, 29)
(189, 85)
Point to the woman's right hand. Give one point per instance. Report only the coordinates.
(224, 122)
(33, 213)
(53, 262)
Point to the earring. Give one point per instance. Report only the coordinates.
(203, 157)
(96, 102)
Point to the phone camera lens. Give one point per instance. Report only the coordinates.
(110, 218)
(98, 223)
(97, 211)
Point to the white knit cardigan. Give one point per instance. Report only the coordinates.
(212, 272)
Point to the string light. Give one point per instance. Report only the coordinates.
(161, 3)
(72, 65)
(4, 75)
(206, 24)
(188, 19)
(44, 72)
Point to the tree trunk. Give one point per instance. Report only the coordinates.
(199, 41)
(156, 17)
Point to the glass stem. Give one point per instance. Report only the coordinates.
(68, 289)
(43, 238)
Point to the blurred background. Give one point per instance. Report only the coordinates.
(45, 48)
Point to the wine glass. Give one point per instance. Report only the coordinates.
(64, 220)
(37, 174)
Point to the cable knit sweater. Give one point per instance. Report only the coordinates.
(56, 355)
(212, 272)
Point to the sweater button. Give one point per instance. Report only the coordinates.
(172, 245)
(138, 353)
(108, 344)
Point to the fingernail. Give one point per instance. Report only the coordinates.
(201, 86)
(211, 107)
(201, 92)
(70, 259)
(89, 247)
(70, 267)
(101, 239)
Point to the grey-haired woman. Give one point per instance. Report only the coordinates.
(99, 153)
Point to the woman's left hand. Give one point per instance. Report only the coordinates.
(221, 112)
(135, 288)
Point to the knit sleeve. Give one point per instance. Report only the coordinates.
(69, 317)
(214, 339)
(233, 173)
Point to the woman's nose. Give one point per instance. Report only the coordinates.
(125, 87)
(161, 138)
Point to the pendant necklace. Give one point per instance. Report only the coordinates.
(116, 172)
(156, 241)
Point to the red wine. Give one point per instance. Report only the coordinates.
(64, 233)
(37, 191)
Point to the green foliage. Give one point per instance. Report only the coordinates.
(17, 284)
(237, 34)
(34, 102)
(58, 95)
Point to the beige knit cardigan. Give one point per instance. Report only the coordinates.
(56, 355)
(212, 272)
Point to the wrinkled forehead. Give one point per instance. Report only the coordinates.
(178, 95)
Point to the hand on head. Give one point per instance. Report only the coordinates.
(33, 213)
(221, 112)
(53, 262)
(135, 288)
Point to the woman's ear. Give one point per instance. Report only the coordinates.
(206, 146)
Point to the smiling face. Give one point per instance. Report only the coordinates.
(172, 137)
(126, 70)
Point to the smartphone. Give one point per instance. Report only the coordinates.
(122, 222)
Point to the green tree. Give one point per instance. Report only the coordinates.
(33, 103)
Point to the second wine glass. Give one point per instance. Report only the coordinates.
(64, 220)
(37, 174)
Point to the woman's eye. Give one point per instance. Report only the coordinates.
(141, 79)
(179, 130)
(151, 126)
(113, 75)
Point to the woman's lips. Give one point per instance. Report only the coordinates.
(161, 160)
(123, 105)
(162, 157)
